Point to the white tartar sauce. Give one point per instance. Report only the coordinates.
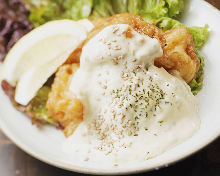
(133, 111)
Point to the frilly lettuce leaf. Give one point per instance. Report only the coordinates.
(134, 6)
(43, 11)
(153, 10)
(77, 9)
(166, 23)
(200, 35)
(197, 83)
(102, 8)
(175, 7)
(120, 6)
(37, 106)
(47, 10)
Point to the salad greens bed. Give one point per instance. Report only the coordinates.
(151, 10)
(162, 13)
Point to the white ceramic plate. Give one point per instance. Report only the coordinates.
(46, 144)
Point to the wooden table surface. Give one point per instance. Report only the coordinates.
(15, 162)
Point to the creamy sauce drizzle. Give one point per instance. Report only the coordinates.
(133, 111)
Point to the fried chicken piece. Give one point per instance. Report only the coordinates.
(179, 56)
(62, 105)
(135, 21)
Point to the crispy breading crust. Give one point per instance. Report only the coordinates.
(179, 54)
(62, 104)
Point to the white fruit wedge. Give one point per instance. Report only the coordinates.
(37, 55)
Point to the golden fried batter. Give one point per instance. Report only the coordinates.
(62, 105)
(179, 54)
(75, 56)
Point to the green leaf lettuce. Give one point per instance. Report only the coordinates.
(102, 8)
(37, 106)
(200, 35)
(120, 6)
(175, 7)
